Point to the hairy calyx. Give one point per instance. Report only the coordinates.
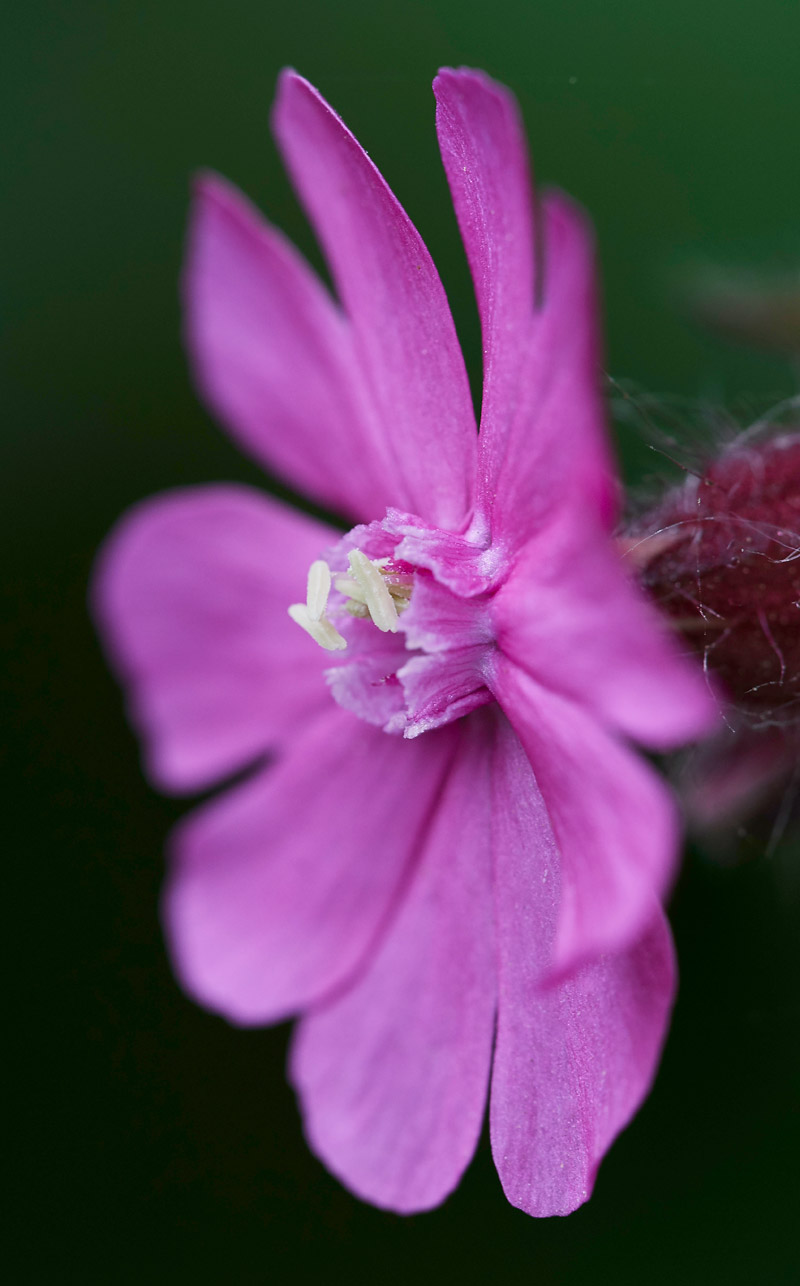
(721, 557)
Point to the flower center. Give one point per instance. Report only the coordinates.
(377, 588)
(412, 650)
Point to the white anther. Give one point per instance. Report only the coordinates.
(319, 587)
(350, 588)
(376, 594)
(321, 630)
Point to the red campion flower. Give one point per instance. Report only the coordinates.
(453, 870)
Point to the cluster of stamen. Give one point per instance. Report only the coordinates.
(377, 589)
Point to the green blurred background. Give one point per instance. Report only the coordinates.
(156, 1142)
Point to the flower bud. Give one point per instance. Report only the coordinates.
(721, 557)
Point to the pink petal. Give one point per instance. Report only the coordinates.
(572, 617)
(443, 681)
(393, 1074)
(486, 160)
(462, 562)
(404, 333)
(281, 886)
(191, 595)
(573, 1061)
(542, 422)
(555, 451)
(366, 682)
(273, 355)
(613, 819)
(442, 687)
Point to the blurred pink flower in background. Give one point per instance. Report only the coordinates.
(452, 868)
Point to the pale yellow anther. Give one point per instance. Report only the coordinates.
(319, 587)
(374, 589)
(376, 593)
(350, 588)
(321, 631)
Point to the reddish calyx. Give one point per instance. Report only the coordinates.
(721, 557)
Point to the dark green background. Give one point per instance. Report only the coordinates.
(157, 1144)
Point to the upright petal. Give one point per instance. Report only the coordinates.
(554, 452)
(404, 333)
(486, 160)
(572, 617)
(613, 819)
(190, 596)
(281, 887)
(274, 356)
(393, 1074)
(573, 1061)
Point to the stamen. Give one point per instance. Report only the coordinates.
(377, 589)
(319, 587)
(321, 631)
(350, 588)
(376, 594)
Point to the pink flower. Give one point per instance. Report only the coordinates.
(453, 868)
